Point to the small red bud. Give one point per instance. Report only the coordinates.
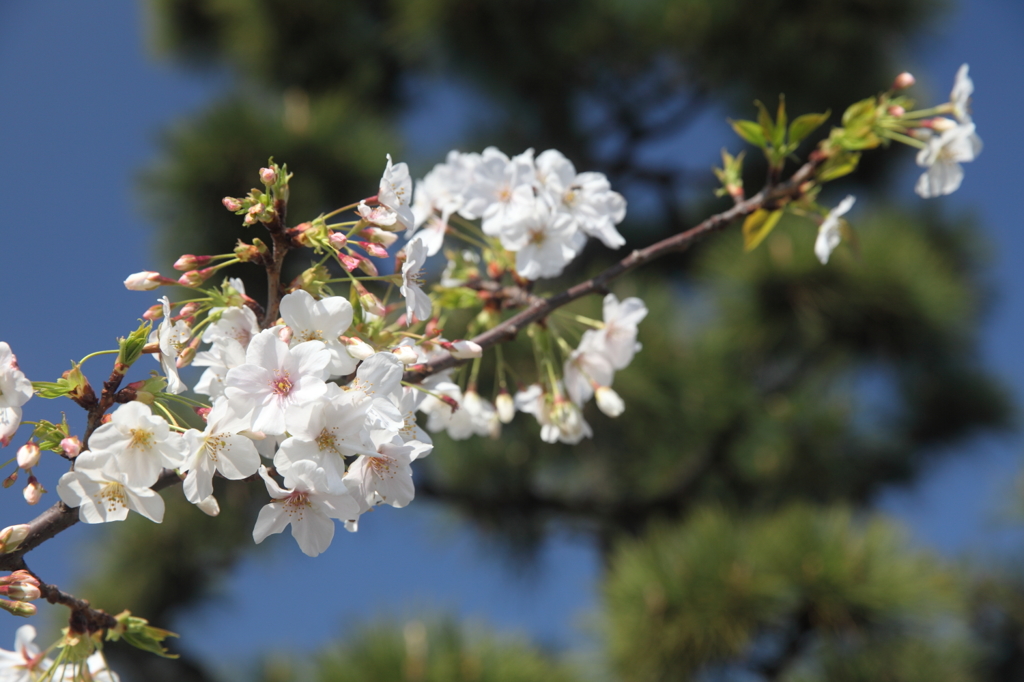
(896, 110)
(348, 262)
(231, 204)
(903, 81)
(203, 412)
(450, 402)
(11, 480)
(338, 240)
(190, 262)
(375, 250)
(72, 446)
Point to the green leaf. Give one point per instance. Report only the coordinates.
(764, 119)
(52, 389)
(779, 134)
(860, 113)
(757, 226)
(49, 435)
(838, 166)
(802, 126)
(749, 131)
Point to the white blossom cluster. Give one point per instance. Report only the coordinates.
(539, 208)
(949, 142)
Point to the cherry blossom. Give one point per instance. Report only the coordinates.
(26, 662)
(324, 320)
(544, 242)
(135, 443)
(395, 192)
(102, 497)
(274, 378)
(386, 478)
(829, 234)
(417, 303)
(586, 367)
(173, 338)
(239, 324)
(942, 157)
(15, 391)
(618, 336)
(305, 504)
(224, 355)
(219, 448)
(960, 97)
(586, 197)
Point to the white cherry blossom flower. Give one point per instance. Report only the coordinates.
(26, 663)
(325, 432)
(173, 338)
(395, 192)
(305, 504)
(500, 190)
(618, 336)
(224, 355)
(275, 377)
(544, 242)
(586, 367)
(324, 320)
(386, 478)
(239, 324)
(942, 158)
(960, 97)
(102, 497)
(829, 234)
(15, 391)
(135, 443)
(220, 447)
(559, 419)
(586, 197)
(417, 304)
(379, 380)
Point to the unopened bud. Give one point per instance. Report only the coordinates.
(12, 536)
(450, 402)
(33, 491)
(18, 608)
(405, 354)
(608, 401)
(896, 110)
(204, 412)
(196, 277)
(209, 506)
(286, 334)
(28, 455)
(147, 280)
(190, 262)
(462, 349)
(338, 240)
(356, 347)
(232, 204)
(71, 446)
(940, 124)
(186, 357)
(382, 237)
(367, 266)
(375, 250)
(505, 407)
(268, 176)
(370, 303)
(246, 252)
(187, 310)
(348, 262)
(20, 586)
(154, 312)
(903, 81)
(11, 480)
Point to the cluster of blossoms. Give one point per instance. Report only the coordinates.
(319, 395)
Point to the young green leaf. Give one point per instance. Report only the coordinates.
(758, 225)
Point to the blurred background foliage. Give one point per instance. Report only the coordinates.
(773, 400)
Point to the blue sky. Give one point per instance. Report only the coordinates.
(81, 106)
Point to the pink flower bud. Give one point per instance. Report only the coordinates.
(367, 266)
(71, 446)
(190, 262)
(286, 334)
(370, 303)
(896, 110)
(187, 310)
(195, 277)
(33, 491)
(154, 312)
(204, 412)
(940, 124)
(450, 402)
(231, 204)
(268, 176)
(28, 455)
(146, 280)
(338, 240)
(375, 250)
(11, 480)
(903, 81)
(348, 262)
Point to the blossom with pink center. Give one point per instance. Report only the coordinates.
(395, 192)
(306, 505)
(274, 378)
(386, 478)
(219, 448)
